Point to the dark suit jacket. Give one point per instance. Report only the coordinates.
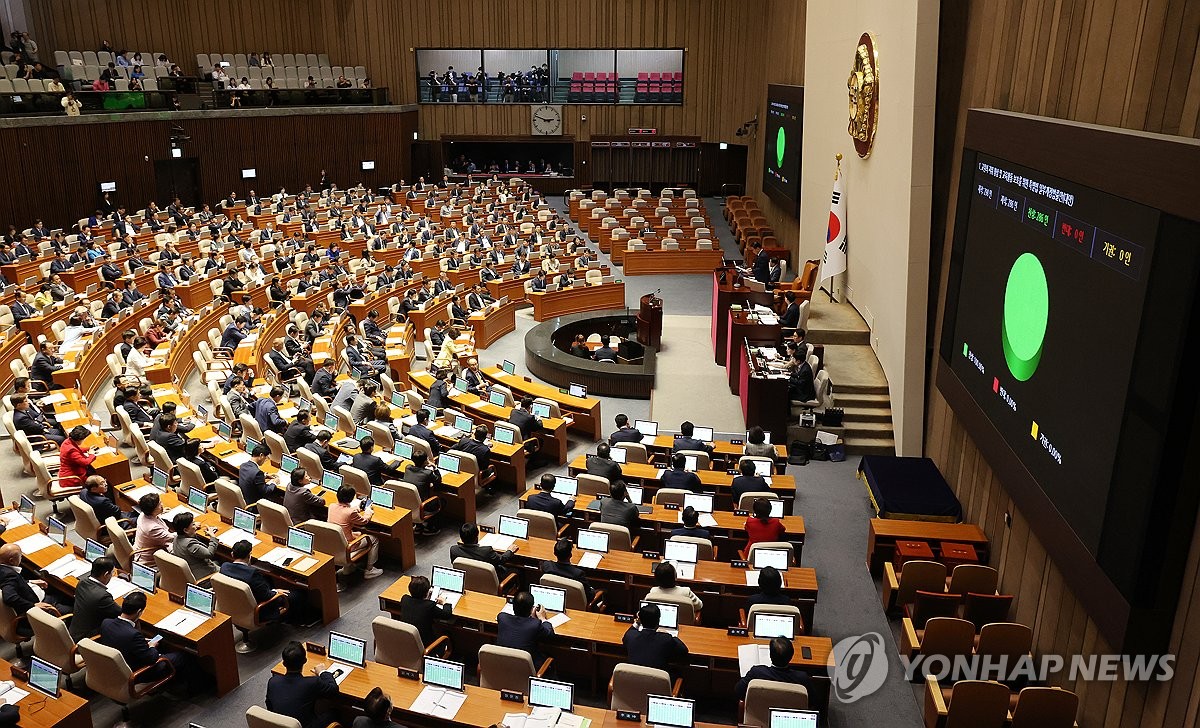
(27, 421)
(800, 386)
(323, 383)
(424, 478)
(297, 436)
(329, 461)
(621, 513)
(172, 442)
(93, 604)
(260, 585)
(43, 368)
(422, 613)
(266, 413)
(15, 590)
(377, 471)
(482, 453)
(252, 482)
(424, 433)
(528, 424)
(604, 353)
(691, 443)
(748, 484)
(522, 633)
(653, 649)
(672, 478)
(762, 267)
(604, 467)
(568, 571)
(102, 505)
(625, 434)
(790, 317)
(294, 695)
(770, 672)
(131, 643)
(693, 532)
(543, 501)
(485, 554)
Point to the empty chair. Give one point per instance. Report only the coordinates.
(505, 668)
(542, 524)
(619, 538)
(773, 545)
(235, 598)
(229, 497)
(330, 539)
(109, 674)
(174, 574)
(981, 609)
(900, 589)
(275, 519)
(674, 496)
(630, 685)
(592, 485)
(482, 577)
(973, 579)
(399, 644)
(763, 695)
(1045, 708)
(635, 452)
(967, 704)
(259, 717)
(1007, 639)
(52, 642)
(928, 605)
(946, 636)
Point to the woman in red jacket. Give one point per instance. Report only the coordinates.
(761, 526)
(75, 460)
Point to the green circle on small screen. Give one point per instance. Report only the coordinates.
(1026, 315)
(780, 146)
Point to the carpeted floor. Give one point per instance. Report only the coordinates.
(688, 375)
(831, 499)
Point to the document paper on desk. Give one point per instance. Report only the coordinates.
(233, 535)
(12, 519)
(705, 519)
(589, 561)
(236, 459)
(276, 555)
(10, 694)
(439, 702)
(35, 543)
(136, 494)
(181, 621)
(69, 565)
(119, 587)
(497, 542)
(751, 655)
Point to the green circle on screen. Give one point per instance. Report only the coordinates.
(1026, 314)
(780, 145)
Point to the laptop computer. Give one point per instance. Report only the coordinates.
(590, 540)
(331, 480)
(704, 434)
(508, 367)
(662, 710)
(347, 649)
(288, 463)
(448, 584)
(56, 530)
(299, 540)
(403, 449)
(566, 486)
(766, 437)
(541, 410)
(681, 551)
(443, 673)
(618, 455)
(648, 428)
(197, 499)
(762, 467)
(770, 626)
(161, 478)
(93, 549)
(448, 463)
(545, 693)
(702, 502)
(199, 600)
(382, 497)
(784, 718)
(43, 676)
(551, 598)
(244, 520)
(143, 577)
(504, 436)
(668, 614)
(514, 526)
(764, 557)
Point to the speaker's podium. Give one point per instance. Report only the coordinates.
(649, 321)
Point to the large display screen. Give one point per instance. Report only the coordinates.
(1053, 278)
(782, 141)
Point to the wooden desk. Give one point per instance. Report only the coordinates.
(492, 323)
(722, 450)
(585, 411)
(728, 536)
(765, 396)
(553, 437)
(745, 327)
(576, 300)
(114, 466)
(589, 645)
(211, 641)
(319, 580)
(720, 481)
(68, 710)
(883, 533)
(671, 262)
(725, 294)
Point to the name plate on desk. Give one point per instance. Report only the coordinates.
(651, 555)
(175, 598)
(671, 506)
(512, 696)
(660, 466)
(407, 674)
(623, 618)
(740, 564)
(736, 442)
(314, 648)
(737, 632)
(487, 529)
(741, 512)
(629, 715)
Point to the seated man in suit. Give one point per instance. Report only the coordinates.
(420, 611)
(523, 417)
(122, 634)
(476, 445)
(791, 315)
(685, 441)
(676, 477)
(169, 438)
(625, 432)
(562, 566)
(780, 670)
(299, 433)
(251, 479)
(266, 411)
(320, 447)
(95, 494)
(260, 585)
(619, 510)
(93, 601)
(235, 332)
(362, 409)
(45, 363)
(801, 386)
(748, 481)
(605, 353)
(646, 646)
(323, 384)
(367, 461)
(469, 548)
(602, 464)
(426, 479)
(295, 695)
(544, 501)
(33, 422)
(691, 526)
(525, 628)
(20, 594)
(421, 431)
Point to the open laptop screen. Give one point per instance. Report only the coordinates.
(666, 711)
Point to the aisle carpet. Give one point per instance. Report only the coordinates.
(690, 385)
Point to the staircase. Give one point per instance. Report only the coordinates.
(867, 428)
